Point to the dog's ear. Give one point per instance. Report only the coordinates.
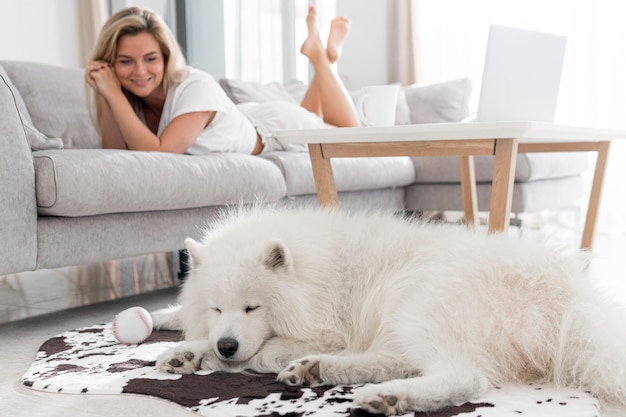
(277, 256)
(193, 249)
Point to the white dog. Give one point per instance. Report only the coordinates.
(433, 315)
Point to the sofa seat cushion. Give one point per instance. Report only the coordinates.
(528, 196)
(351, 174)
(89, 182)
(529, 167)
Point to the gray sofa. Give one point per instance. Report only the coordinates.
(66, 202)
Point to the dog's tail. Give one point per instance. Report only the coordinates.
(592, 351)
(167, 318)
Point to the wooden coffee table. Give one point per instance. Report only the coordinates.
(504, 140)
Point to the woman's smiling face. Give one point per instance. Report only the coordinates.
(139, 64)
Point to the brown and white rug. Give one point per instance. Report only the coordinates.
(90, 361)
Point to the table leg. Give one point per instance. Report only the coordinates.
(324, 178)
(502, 184)
(468, 190)
(594, 198)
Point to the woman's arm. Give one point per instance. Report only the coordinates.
(122, 128)
(111, 135)
(177, 137)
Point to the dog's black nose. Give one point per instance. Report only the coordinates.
(227, 347)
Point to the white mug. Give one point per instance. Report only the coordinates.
(377, 105)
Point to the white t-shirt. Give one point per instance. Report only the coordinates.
(229, 131)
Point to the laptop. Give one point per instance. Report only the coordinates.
(521, 76)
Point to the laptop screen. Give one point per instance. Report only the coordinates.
(521, 76)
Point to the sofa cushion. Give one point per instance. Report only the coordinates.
(18, 229)
(351, 174)
(245, 91)
(55, 98)
(446, 101)
(36, 139)
(97, 181)
(19, 101)
(529, 167)
(528, 196)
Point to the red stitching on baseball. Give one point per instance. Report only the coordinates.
(143, 319)
(115, 332)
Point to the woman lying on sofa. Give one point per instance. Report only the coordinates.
(147, 98)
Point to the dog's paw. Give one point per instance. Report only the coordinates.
(179, 362)
(305, 372)
(373, 399)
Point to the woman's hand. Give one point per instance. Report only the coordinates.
(101, 77)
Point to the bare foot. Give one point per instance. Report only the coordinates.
(312, 47)
(339, 28)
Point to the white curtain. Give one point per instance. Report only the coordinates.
(92, 15)
(263, 38)
(451, 37)
(402, 47)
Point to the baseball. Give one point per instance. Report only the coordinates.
(133, 325)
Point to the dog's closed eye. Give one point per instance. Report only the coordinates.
(251, 308)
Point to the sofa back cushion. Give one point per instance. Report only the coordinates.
(55, 98)
(37, 140)
(446, 101)
(245, 92)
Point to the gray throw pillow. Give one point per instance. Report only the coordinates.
(446, 101)
(37, 140)
(245, 92)
(55, 97)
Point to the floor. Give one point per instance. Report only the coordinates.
(21, 340)
(33, 309)
(31, 294)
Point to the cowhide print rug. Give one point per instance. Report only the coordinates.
(90, 361)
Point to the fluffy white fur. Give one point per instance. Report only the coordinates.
(433, 315)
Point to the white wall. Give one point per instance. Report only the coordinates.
(45, 31)
(206, 23)
(48, 31)
(364, 55)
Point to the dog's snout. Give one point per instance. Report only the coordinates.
(227, 347)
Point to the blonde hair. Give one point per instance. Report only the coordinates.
(132, 21)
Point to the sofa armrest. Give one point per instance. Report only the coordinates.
(18, 208)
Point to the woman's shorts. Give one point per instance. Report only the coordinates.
(272, 116)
